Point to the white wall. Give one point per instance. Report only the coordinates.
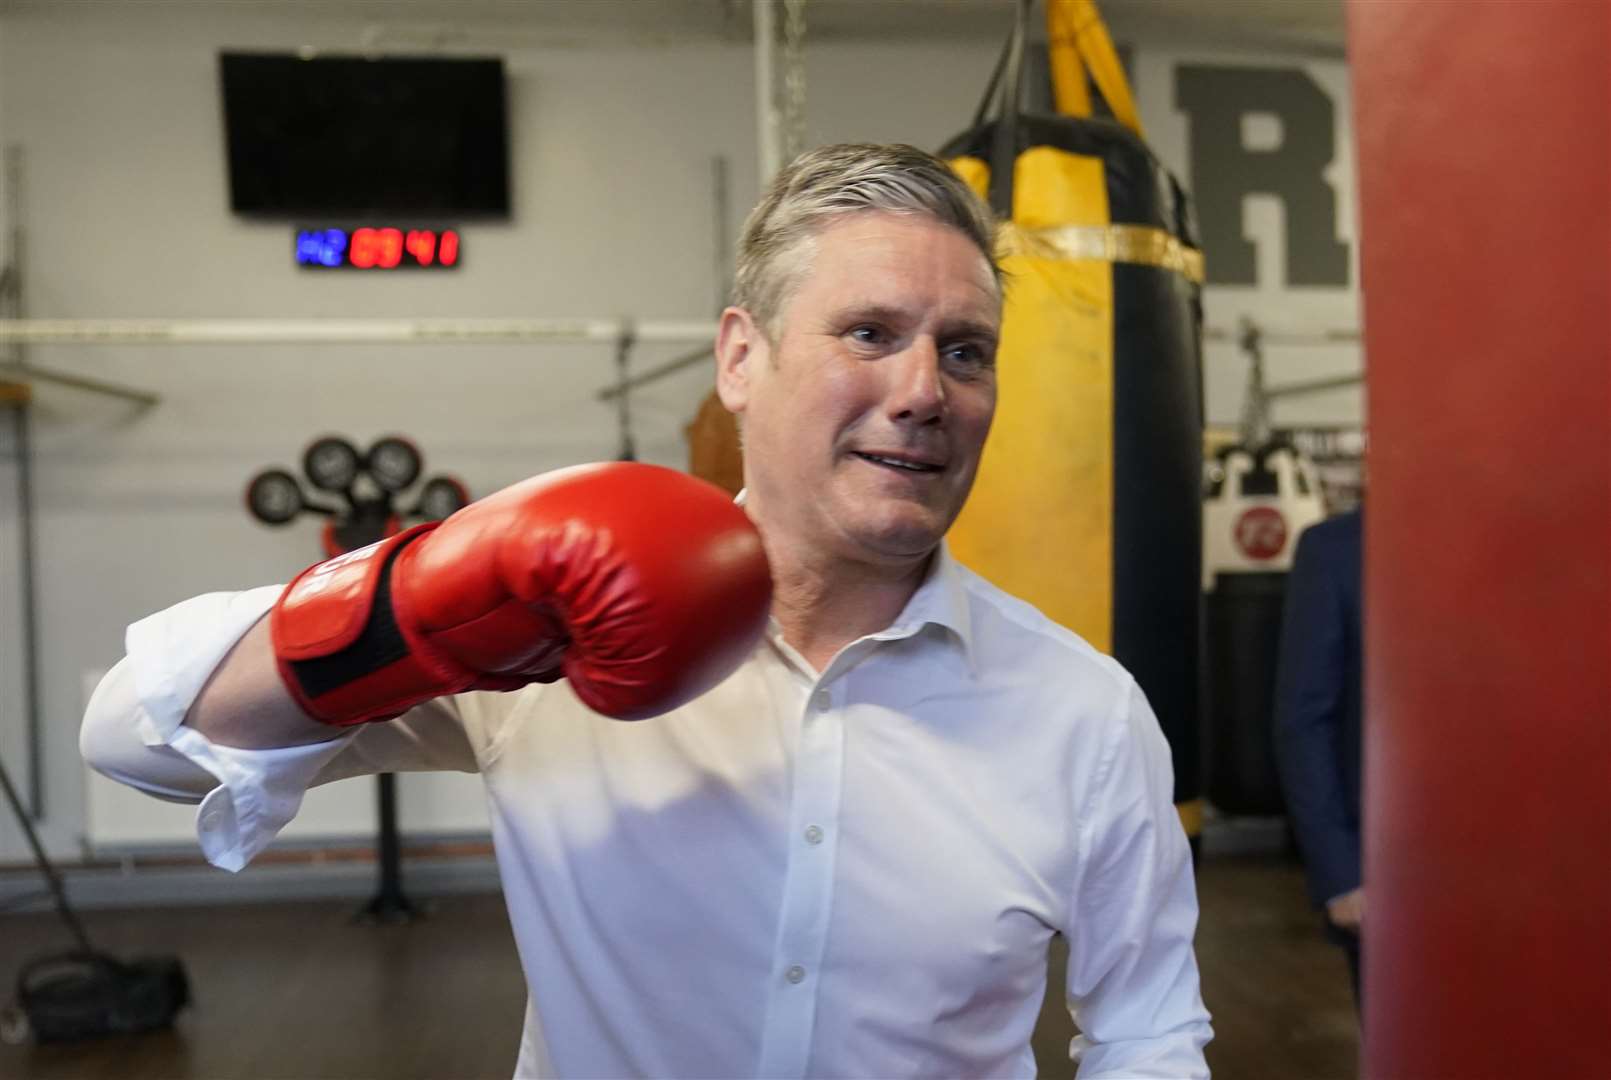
(117, 110)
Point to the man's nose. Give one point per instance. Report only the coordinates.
(917, 393)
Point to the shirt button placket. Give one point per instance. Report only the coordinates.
(789, 1028)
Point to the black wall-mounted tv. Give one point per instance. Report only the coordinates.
(351, 135)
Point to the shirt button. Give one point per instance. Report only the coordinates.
(813, 834)
(795, 974)
(822, 700)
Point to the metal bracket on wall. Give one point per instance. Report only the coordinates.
(1251, 338)
(32, 373)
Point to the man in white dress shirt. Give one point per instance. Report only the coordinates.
(849, 856)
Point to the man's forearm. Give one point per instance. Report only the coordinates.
(245, 704)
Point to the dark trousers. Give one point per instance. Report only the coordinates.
(1348, 941)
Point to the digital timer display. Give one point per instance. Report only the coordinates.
(377, 249)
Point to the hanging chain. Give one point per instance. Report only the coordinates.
(1256, 403)
(794, 79)
(11, 248)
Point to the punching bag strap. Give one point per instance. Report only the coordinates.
(1070, 89)
(1004, 145)
(1076, 31)
(983, 110)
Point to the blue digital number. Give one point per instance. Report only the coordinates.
(321, 247)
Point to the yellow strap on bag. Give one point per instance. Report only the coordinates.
(1070, 90)
(1079, 44)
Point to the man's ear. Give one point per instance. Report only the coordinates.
(740, 347)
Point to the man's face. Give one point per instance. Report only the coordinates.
(865, 418)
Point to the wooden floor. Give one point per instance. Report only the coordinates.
(297, 992)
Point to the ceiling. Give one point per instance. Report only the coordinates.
(1307, 26)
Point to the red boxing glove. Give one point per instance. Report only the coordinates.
(643, 586)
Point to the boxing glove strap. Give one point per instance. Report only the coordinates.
(342, 652)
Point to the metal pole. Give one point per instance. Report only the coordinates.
(345, 331)
(1335, 336)
(30, 373)
(792, 110)
(389, 904)
(30, 611)
(1313, 386)
(766, 108)
(656, 373)
(11, 306)
(723, 242)
(623, 399)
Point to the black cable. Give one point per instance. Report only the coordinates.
(1004, 146)
(45, 867)
(995, 78)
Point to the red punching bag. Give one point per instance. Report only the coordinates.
(1484, 145)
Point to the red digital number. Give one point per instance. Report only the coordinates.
(363, 249)
(385, 248)
(421, 244)
(391, 248)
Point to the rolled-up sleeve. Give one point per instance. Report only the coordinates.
(134, 732)
(1132, 974)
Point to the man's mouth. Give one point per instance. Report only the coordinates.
(901, 462)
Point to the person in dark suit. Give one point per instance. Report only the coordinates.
(1317, 722)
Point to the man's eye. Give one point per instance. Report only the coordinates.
(969, 354)
(867, 335)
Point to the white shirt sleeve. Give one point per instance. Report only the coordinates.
(1132, 973)
(134, 732)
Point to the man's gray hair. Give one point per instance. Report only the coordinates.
(828, 182)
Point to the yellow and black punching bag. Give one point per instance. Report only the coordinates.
(1087, 501)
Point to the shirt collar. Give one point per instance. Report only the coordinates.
(940, 600)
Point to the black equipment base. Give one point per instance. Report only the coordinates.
(85, 993)
(390, 905)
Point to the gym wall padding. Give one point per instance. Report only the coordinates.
(1087, 502)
